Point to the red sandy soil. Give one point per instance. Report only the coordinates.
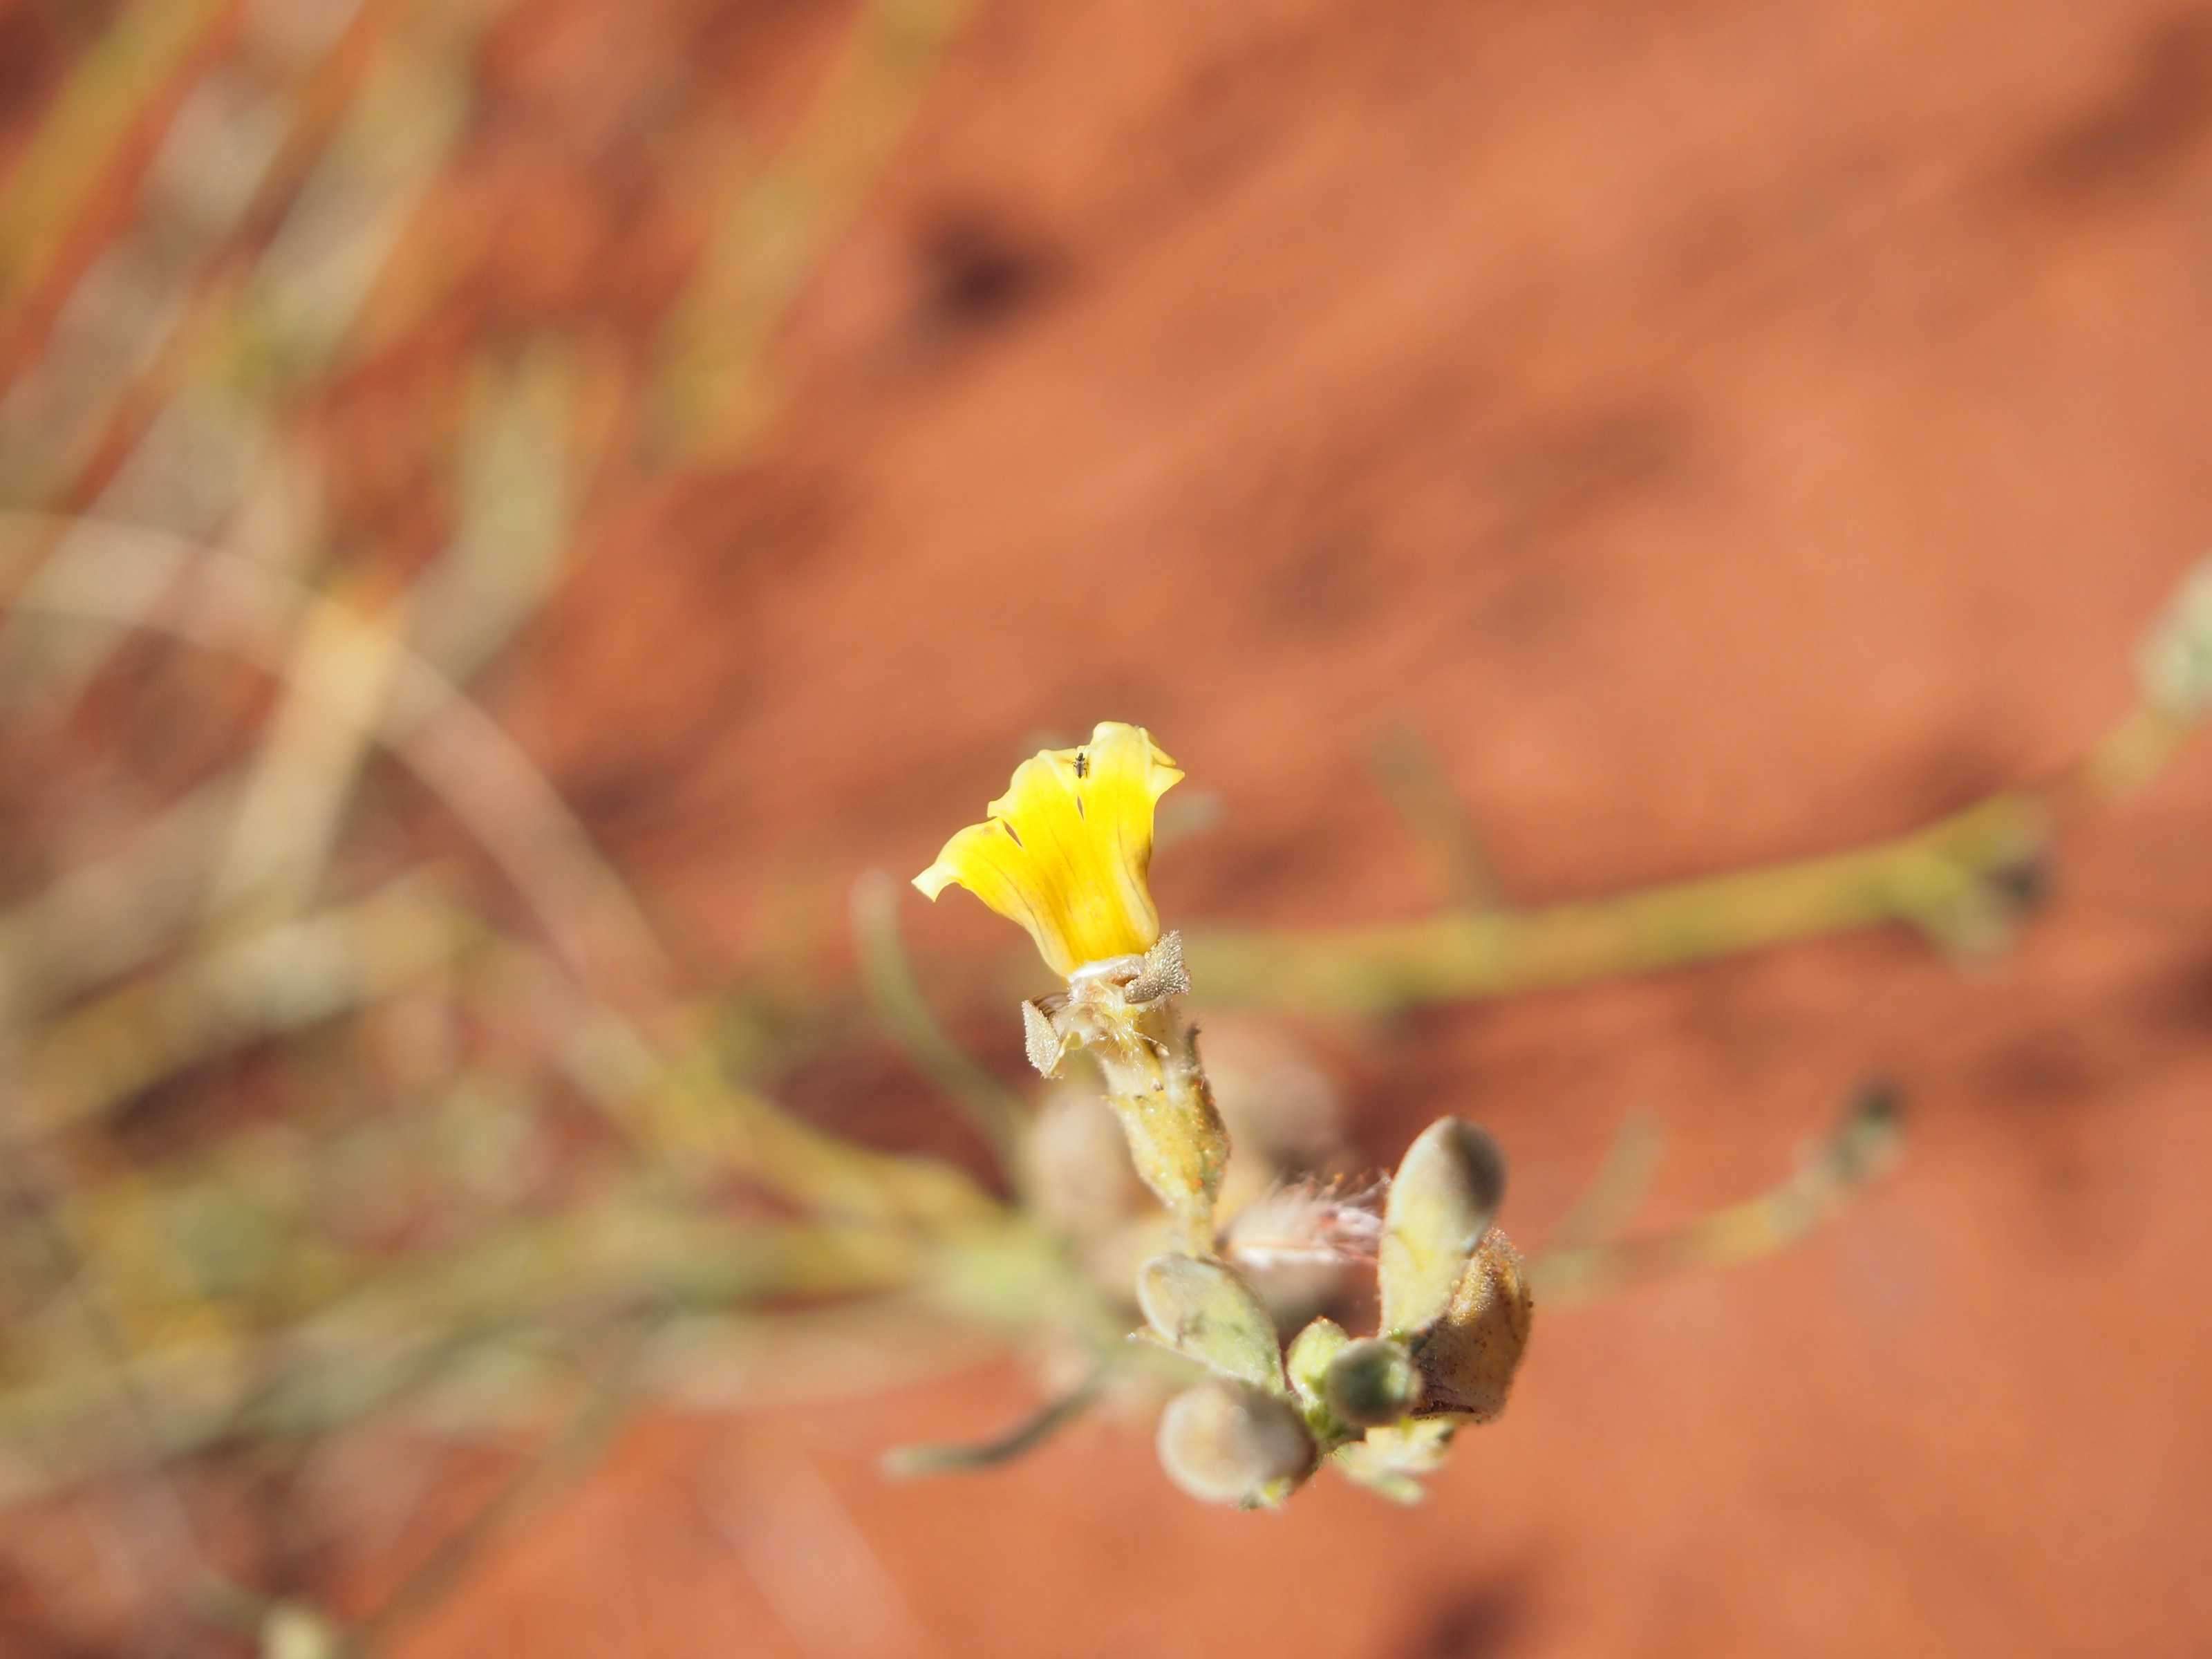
(1725, 431)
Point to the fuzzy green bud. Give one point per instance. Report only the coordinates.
(1309, 1358)
(1229, 1443)
(1372, 1382)
(1447, 1190)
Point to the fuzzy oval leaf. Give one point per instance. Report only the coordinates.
(1205, 1312)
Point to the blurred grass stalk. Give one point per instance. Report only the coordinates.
(336, 139)
(76, 141)
(711, 396)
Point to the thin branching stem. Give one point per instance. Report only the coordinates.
(1023, 1437)
(899, 1003)
(1857, 1148)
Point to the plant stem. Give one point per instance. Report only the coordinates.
(1940, 880)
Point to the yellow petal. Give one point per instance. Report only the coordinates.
(1066, 850)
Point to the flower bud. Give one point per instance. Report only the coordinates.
(1228, 1442)
(1468, 1357)
(1441, 1204)
(1309, 1360)
(1371, 1382)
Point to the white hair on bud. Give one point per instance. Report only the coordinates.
(1309, 1223)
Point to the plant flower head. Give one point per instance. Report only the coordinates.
(1066, 851)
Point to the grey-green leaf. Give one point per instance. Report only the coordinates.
(1204, 1312)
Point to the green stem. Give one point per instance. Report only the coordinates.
(1940, 880)
(909, 1461)
(897, 1000)
(1857, 1148)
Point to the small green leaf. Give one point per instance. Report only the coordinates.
(1205, 1312)
(906, 1462)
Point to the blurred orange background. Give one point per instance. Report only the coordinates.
(1722, 433)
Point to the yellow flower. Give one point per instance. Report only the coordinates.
(1066, 850)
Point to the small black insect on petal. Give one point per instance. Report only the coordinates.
(1082, 764)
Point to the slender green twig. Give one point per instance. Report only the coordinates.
(234, 991)
(597, 1417)
(1617, 1188)
(427, 722)
(1406, 766)
(160, 1531)
(50, 185)
(1944, 879)
(2132, 754)
(352, 1355)
(1856, 1149)
(910, 1461)
(1958, 881)
(710, 391)
(644, 1085)
(904, 1011)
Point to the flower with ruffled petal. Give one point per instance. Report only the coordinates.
(1066, 851)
